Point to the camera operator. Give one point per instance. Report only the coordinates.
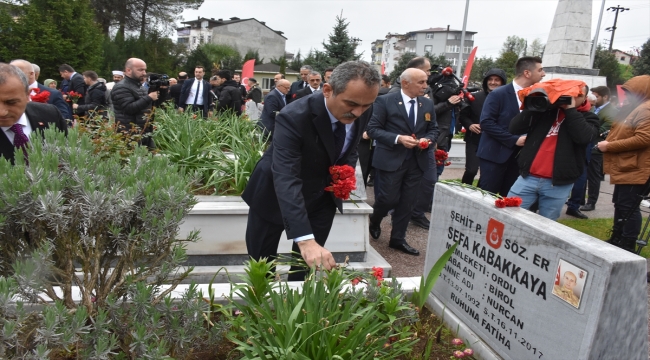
(130, 99)
(470, 118)
(553, 155)
(627, 160)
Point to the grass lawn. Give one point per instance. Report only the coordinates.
(598, 228)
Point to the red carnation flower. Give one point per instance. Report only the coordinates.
(500, 203)
(377, 272)
(463, 130)
(40, 96)
(424, 144)
(343, 181)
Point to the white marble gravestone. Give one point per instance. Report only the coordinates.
(531, 288)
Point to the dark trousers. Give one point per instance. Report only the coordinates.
(425, 196)
(577, 198)
(471, 163)
(498, 178)
(399, 190)
(263, 236)
(626, 201)
(594, 177)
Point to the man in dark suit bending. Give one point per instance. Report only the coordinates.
(19, 117)
(286, 191)
(400, 122)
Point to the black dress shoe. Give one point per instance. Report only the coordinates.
(576, 213)
(375, 230)
(422, 222)
(404, 247)
(588, 207)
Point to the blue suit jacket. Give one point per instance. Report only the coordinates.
(389, 119)
(185, 92)
(56, 99)
(273, 103)
(500, 107)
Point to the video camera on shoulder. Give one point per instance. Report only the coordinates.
(537, 100)
(156, 81)
(444, 84)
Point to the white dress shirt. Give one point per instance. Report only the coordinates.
(197, 86)
(27, 128)
(406, 100)
(517, 88)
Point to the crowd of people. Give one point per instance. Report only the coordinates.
(545, 142)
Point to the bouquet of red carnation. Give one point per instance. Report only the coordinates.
(74, 96)
(422, 144)
(343, 181)
(463, 130)
(37, 96)
(508, 202)
(441, 156)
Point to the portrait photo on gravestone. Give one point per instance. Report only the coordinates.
(569, 281)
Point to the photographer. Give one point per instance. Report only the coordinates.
(131, 102)
(553, 155)
(627, 160)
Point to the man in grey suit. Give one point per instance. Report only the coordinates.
(400, 122)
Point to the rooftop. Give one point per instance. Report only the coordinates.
(212, 23)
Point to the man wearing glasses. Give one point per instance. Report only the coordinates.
(274, 101)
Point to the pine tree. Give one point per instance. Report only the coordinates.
(608, 65)
(53, 32)
(642, 64)
(341, 47)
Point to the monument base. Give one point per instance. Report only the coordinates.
(590, 80)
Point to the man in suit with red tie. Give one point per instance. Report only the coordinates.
(286, 191)
(400, 122)
(196, 92)
(19, 117)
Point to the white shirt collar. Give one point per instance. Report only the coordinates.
(517, 88)
(33, 85)
(407, 98)
(22, 121)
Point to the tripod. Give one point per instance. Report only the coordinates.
(616, 233)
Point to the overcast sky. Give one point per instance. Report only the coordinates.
(307, 23)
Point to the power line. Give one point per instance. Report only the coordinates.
(613, 28)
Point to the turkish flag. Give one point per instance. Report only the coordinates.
(247, 72)
(383, 68)
(557, 276)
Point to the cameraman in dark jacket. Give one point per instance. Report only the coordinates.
(553, 155)
(470, 118)
(131, 102)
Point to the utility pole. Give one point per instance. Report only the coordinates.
(613, 28)
(594, 44)
(462, 41)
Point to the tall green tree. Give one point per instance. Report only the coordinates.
(220, 57)
(282, 62)
(50, 33)
(318, 60)
(514, 44)
(507, 62)
(642, 64)
(536, 48)
(480, 67)
(608, 65)
(296, 63)
(340, 47)
(250, 54)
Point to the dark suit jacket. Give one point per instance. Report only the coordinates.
(389, 119)
(295, 87)
(305, 92)
(56, 99)
(40, 116)
(78, 85)
(175, 92)
(272, 105)
(185, 92)
(497, 144)
(294, 171)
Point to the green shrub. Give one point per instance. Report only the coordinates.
(221, 152)
(113, 221)
(325, 319)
